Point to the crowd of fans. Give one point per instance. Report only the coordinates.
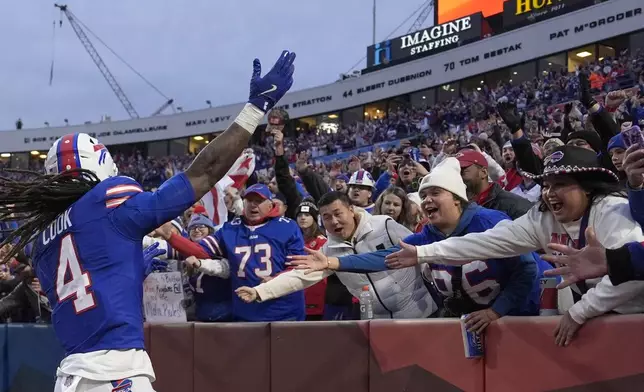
(509, 168)
(465, 118)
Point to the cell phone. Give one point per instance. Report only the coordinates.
(632, 136)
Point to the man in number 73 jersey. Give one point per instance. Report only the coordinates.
(255, 247)
(87, 224)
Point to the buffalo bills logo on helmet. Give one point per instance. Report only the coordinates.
(102, 155)
(363, 175)
(554, 158)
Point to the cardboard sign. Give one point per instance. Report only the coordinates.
(163, 298)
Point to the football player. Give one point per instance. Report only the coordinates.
(88, 224)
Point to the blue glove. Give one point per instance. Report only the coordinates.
(149, 261)
(159, 265)
(266, 91)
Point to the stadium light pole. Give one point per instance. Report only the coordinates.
(374, 22)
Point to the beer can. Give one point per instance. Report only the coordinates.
(548, 304)
(472, 341)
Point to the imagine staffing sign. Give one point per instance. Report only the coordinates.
(425, 42)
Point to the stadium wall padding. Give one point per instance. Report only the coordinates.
(376, 356)
(31, 356)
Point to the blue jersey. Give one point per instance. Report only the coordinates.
(90, 261)
(255, 253)
(213, 295)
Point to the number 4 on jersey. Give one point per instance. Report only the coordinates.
(71, 280)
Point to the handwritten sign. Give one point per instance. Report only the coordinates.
(162, 298)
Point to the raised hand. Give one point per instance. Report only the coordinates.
(267, 90)
(510, 115)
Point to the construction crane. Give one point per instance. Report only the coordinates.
(422, 17)
(93, 53)
(169, 102)
(91, 50)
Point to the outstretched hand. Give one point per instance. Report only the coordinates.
(311, 262)
(578, 264)
(407, 256)
(267, 90)
(246, 294)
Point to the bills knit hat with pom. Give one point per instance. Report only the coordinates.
(446, 175)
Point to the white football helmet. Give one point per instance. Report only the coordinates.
(79, 150)
(363, 178)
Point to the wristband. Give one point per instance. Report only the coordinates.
(249, 118)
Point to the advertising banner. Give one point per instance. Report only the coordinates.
(517, 13)
(425, 42)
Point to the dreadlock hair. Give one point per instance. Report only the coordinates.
(37, 201)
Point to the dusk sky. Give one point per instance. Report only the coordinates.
(192, 51)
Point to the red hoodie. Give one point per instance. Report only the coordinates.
(512, 179)
(314, 295)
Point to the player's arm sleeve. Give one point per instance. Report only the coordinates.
(289, 282)
(136, 213)
(626, 263)
(506, 239)
(218, 267)
(519, 286)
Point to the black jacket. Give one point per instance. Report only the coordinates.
(286, 185)
(23, 305)
(314, 184)
(501, 200)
